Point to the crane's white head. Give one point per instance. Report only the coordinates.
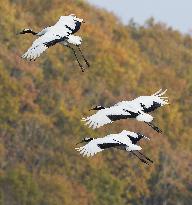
(26, 30)
(86, 139)
(98, 107)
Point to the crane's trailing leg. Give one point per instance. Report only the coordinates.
(83, 56)
(142, 160)
(145, 157)
(82, 69)
(154, 127)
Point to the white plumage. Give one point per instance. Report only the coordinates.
(112, 140)
(147, 103)
(124, 140)
(62, 32)
(137, 108)
(108, 115)
(101, 117)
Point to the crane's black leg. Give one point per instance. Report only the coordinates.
(83, 56)
(82, 69)
(154, 127)
(142, 160)
(145, 156)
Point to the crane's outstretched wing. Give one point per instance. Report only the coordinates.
(105, 116)
(89, 149)
(50, 38)
(151, 103)
(97, 120)
(146, 103)
(100, 144)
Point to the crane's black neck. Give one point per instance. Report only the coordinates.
(28, 31)
(98, 108)
(33, 32)
(87, 139)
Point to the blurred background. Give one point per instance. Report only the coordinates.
(174, 14)
(147, 47)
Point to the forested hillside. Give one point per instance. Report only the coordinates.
(42, 102)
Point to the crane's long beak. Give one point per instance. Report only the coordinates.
(80, 142)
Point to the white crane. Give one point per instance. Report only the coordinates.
(137, 109)
(62, 32)
(124, 140)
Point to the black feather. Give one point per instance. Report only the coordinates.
(120, 117)
(53, 42)
(153, 107)
(109, 145)
(77, 27)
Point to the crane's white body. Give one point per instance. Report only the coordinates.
(93, 147)
(61, 32)
(127, 109)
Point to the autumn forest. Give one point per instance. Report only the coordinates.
(42, 103)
